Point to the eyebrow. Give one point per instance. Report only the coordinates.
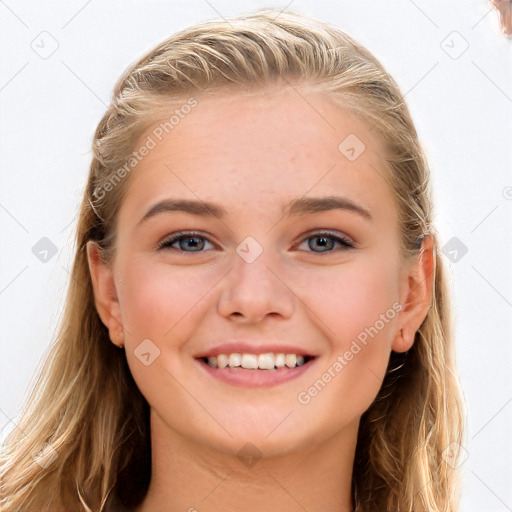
(295, 207)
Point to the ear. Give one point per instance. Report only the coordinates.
(105, 295)
(415, 295)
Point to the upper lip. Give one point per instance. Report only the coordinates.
(260, 347)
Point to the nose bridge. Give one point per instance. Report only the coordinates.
(254, 289)
(253, 262)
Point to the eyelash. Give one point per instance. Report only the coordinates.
(345, 242)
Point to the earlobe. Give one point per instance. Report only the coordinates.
(105, 295)
(417, 293)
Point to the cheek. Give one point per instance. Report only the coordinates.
(157, 298)
(360, 313)
(352, 299)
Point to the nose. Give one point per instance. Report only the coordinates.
(252, 291)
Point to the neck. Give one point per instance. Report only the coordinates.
(192, 478)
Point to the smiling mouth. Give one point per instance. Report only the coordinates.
(268, 361)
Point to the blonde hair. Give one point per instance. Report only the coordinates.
(85, 404)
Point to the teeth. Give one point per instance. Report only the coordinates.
(266, 361)
(222, 360)
(280, 360)
(234, 360)
(290, 360)
(249, 361)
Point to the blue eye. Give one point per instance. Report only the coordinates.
(194, 241)
(189, 240)
(328, 241)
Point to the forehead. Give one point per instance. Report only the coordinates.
(260, 149)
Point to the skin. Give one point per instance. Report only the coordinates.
(252, 153)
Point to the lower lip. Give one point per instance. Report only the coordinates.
(256, 378)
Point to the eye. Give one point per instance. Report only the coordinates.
(187, 240)
(193, 240)
(326, 240)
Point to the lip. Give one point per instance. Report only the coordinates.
(255, 378)
(245, 347)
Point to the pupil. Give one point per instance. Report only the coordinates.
(191, 242)
(324, 241)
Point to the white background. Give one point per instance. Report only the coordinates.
(462, 108)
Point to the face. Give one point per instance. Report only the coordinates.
(259, 274)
